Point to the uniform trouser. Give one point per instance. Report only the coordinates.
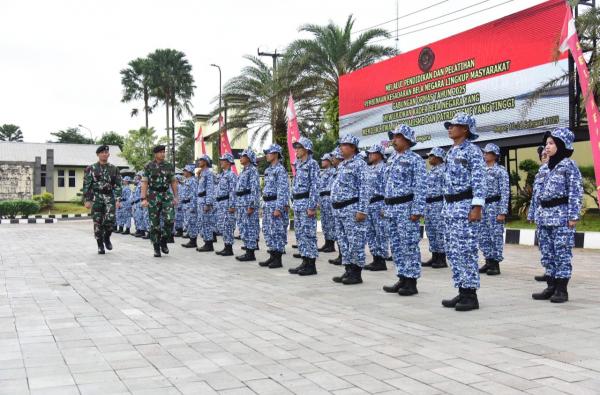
(274, 229)
(103, 215)
(126, 217)
(461, 240)
(191, 219)
(556, 244)
(434, 226)
(376, 230)
(351, 237)
(305, 228)
(206, 223)
(160, 209)
(491, 233)
(119, 216)
(145, 219)
(226, 223)
(327, 220)
(405, 240)
(179, 217)
(248, 227)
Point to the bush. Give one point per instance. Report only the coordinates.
(45, 200)
(12, 208)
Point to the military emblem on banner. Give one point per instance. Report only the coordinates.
(426, 59)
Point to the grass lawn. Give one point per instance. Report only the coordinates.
(65, 208)
(589, 223)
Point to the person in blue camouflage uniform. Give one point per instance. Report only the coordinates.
(376, 222)
(434, 203)
(305, 197)
(350, 200)
(404, 206)
(247, 195)
(276, 196)
(557, 207)
(324, 188)
(190, 205)
(537, 184)
(225, 201)
(206, 201)
(464, 198)
(491, 236)
(179, 212)
(126, 199)
(136, 206)
(336, 159)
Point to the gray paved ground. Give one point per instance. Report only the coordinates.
(74, 322)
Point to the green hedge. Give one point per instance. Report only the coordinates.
(12, 208)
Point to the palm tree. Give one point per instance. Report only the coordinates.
(136, 85)
(257, 100)
(185, 143)
(331, 53)
(10, 132)
(172, 83)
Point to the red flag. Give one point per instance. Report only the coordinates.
(200, 137)
(293, 132)
(569, 40)
(225, 146)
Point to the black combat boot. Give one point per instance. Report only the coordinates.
(310, 268)
(354, 277)
(547, 292)
(163, 245)
(329, 246)
(226, 251)
(214, 240)
(394, 288)
(126, 232)
(560, 293)
(377, 265)
(468, 300)
(409, 288)
(452, 302)
(295, 270)
(339, 279)
(434, 258)
(485, 268)
(118, 230)
(171, 239)
(543, 278)
(494, 268)
(441, 261)
(145, 235)
(191, 243)
(139, 233)
(276, 262)
(247, 257)
(268, 261)
(101, 247)
(179, 233)
(156, 250)
(107, 242)
(389, 259)
(208, 246)
(297, 255)
(337, 261)
(294, 245)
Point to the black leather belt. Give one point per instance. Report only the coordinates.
(376, 198)
(201, 194)
(136, 201)
(434, 199)
(468, 194)
(399, 199)
(344, 203)
(242, 193)
(303, 195)
(269, 198)
(184, 201)
(492, 199)
(159, 189)
(554, 202)
(221, 198)
(325, 193)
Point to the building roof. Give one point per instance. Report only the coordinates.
(64, 154)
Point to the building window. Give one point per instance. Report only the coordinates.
(61, 178)
(43, 176)
(71, 178)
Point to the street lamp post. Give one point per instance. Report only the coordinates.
(89, 130)
(220, 107)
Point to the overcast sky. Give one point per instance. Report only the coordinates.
(60, 60)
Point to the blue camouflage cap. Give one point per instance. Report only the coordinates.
(207, 159)
(376, 149)
(565, 135)
(249, 154)
(228, 157)
(350, 139)
(438, 152)
(405, 131)
(303, 142)
(127, 178)
(274, 149)
(493, 148)
(179, 177)
(140, 173)
(337, 153)
(326, 156)
(190, 168)
(462, 118)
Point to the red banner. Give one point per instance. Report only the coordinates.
(225, 146)
(293, 132)
(200, 137)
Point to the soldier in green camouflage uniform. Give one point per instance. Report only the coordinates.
(157, 176)
(102, 193)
